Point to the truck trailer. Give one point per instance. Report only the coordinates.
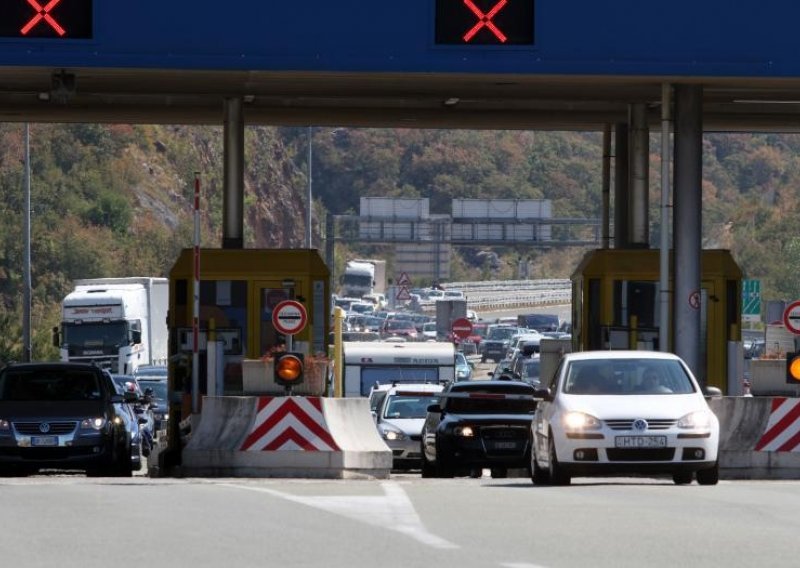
(118, 324)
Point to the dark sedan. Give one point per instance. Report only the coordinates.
(478, 424)
(62, 416)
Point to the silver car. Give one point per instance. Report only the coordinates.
(400, 418)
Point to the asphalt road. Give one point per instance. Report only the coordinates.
(68, 521)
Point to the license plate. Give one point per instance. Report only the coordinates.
(640, 441)
(38, 441)
(504, 445)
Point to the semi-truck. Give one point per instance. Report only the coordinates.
(118, 324)
(363, 277)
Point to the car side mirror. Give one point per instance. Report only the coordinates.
(542, 394)
(142, 420)
(712, 392)
(434, 408)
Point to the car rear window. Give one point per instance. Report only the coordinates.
(49, 385)
(490, 401)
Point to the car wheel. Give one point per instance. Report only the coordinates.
(708, 476)
(499, 472)
(427, 467)
(555, 472)
(539, 475)
(483, 359)
(476, 473)
(682, 478)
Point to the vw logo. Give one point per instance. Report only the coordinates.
(640, 424)
(44, 427)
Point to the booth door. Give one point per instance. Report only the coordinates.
(268, 294)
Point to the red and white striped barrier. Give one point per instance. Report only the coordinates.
(782, 433)
(295, 423)
(295, 436)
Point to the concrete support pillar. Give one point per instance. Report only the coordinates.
(606, 209)
(639, 202)
(687, 224)
(621, 186)
(233, 190)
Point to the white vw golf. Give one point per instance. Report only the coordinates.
(618, 412)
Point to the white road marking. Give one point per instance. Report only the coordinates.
(520, 565)
(392, 511)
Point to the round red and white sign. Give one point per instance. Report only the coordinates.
(791, 317)
(462, 328)
(289, 317)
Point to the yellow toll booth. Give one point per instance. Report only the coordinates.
(239, 288)
(616, 298)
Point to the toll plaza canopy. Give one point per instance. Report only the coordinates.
(433, 63)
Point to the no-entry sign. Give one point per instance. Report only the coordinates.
(289, 317)
(791, 317)
(462, 328)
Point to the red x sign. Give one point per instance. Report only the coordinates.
(484, 20)
(43, 13)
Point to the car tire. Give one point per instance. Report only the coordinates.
(539, 475)
(708, 476)
(499, 472)
(682, 478)
(556, 472)
(476, 472)
(428, 470)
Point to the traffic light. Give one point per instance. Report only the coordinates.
(793, 368)
(289, 369)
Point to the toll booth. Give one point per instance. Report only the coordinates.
(239, 288)
(616, 305)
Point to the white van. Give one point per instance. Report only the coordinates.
(367, 364)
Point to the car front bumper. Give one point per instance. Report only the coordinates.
(612, 451)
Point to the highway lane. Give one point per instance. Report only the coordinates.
(70, 521)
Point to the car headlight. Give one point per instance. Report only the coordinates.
(4, 426)
(93, 423)
(391, 433)
(580, 421)
(699, 420)
(465, 431)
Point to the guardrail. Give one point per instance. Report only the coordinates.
(508, 294)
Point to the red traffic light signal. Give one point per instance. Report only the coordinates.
(793, 368)
(288, 370)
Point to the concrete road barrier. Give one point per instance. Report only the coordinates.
(758, 437)
(305, 437)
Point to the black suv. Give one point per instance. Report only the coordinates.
(62, 416)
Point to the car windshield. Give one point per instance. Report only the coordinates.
(627, 377)
(489, 400)
(531, 370)
(408, 406)
(159, 388)
(501, 333)
(40, 385)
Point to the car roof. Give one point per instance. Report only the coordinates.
(412, 388)
(491, 385)
(621, 354)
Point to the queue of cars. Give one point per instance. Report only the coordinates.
(603, 413)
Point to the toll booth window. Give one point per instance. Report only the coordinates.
(225, 301)
(592, 327)
(635, 298)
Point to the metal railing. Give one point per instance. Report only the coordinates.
(508, 294)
